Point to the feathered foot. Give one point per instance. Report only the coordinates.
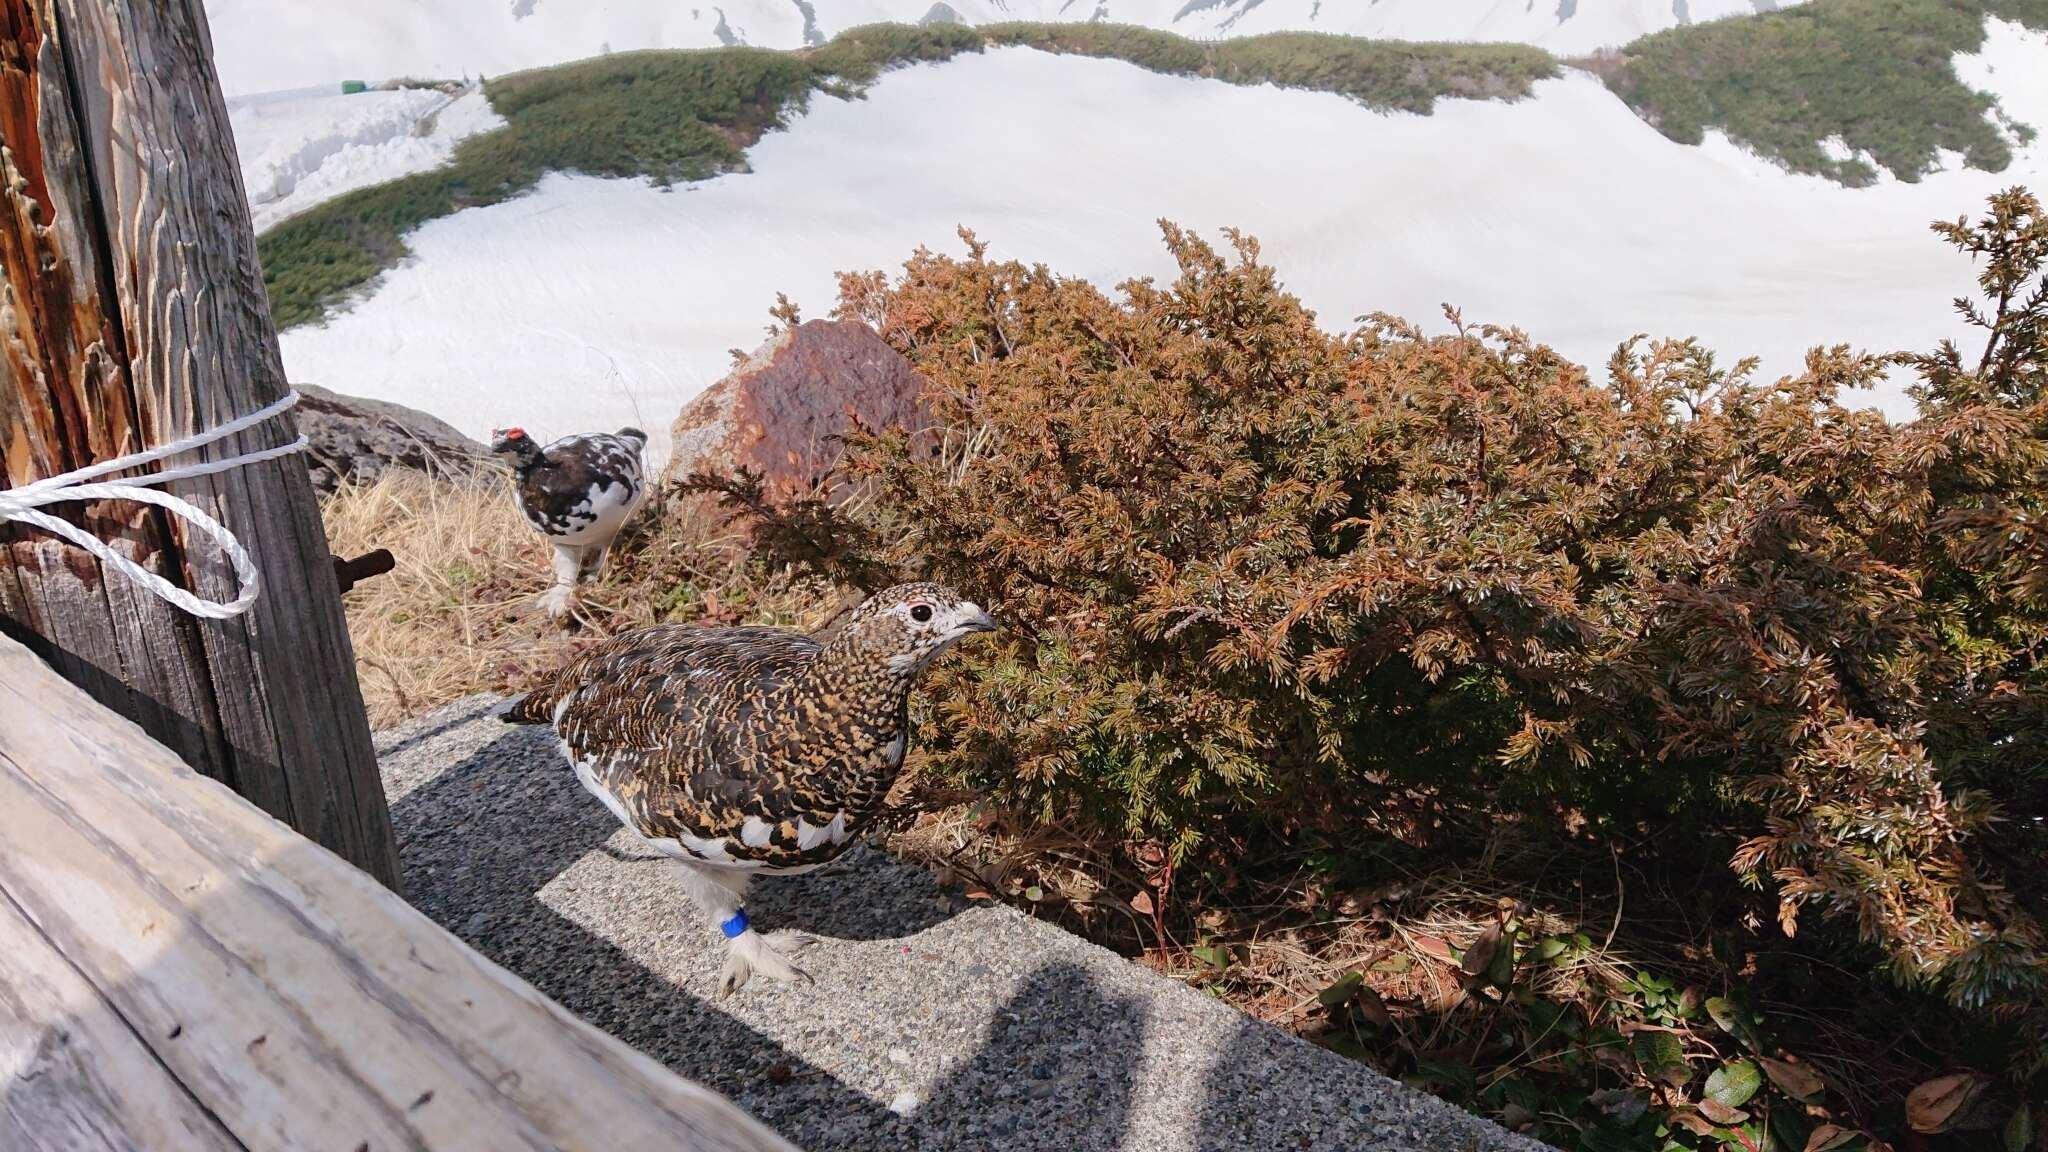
(769, 954)
(556, 601)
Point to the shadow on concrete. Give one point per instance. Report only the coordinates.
(1055, 1071)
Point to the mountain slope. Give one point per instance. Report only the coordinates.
(595, 302)
(260, 45)
(1563, 26)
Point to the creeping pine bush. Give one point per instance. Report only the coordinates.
(1254, 572)
(1877, 76)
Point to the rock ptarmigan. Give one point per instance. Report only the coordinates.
(742, 752)
(578, 492)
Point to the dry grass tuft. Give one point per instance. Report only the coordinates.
(459, 614)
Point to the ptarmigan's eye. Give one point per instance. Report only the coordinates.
(920, 612)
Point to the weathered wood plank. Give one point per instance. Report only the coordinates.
(140, 317)
(73, 1076)
(297, 1001)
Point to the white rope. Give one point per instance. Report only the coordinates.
(20, 504)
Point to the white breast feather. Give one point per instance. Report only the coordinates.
(586, 774)
(809, 835)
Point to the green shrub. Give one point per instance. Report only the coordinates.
(1379, 74)
(858, 55)
(1385, 74)
(1878, 74)
(1148, 48)
(1256, 573)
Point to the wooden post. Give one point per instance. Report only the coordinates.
(132, 313)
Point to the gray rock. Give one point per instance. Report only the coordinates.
(357, 439)
(983, 1028)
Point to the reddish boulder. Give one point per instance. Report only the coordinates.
(781, 412)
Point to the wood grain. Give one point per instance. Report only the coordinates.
(73, 1075)
(139, 316)
(284, 999)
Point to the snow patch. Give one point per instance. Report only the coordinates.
(2009, 69)
(298, 149)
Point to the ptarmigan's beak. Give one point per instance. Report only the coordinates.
(968, 618)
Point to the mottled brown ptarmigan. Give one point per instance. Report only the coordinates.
(743, 752)
(578, 492)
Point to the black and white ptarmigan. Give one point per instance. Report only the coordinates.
(744, 752)
(578, 492)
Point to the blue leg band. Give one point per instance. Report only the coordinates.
(733, 927)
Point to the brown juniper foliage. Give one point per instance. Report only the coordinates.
(1257, 574)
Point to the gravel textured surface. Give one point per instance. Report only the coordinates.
(935, 1022)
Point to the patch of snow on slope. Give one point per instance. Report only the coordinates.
(299, 148)
(595, 303)
(266, 44)
(1566, 28)
(2009, 69)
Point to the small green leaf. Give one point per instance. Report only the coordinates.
(1501, 972)
(1034, 893)
(2019, 1131)
(1661, 1056)
(1341, 992)
(1211, 955)
(1733, 1083)
(1725, 1015)
(1549, 948)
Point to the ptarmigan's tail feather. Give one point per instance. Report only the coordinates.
(532, 708)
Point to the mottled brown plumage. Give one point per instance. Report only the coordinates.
(740, 751)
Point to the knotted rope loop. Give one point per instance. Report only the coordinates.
(21, 504)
